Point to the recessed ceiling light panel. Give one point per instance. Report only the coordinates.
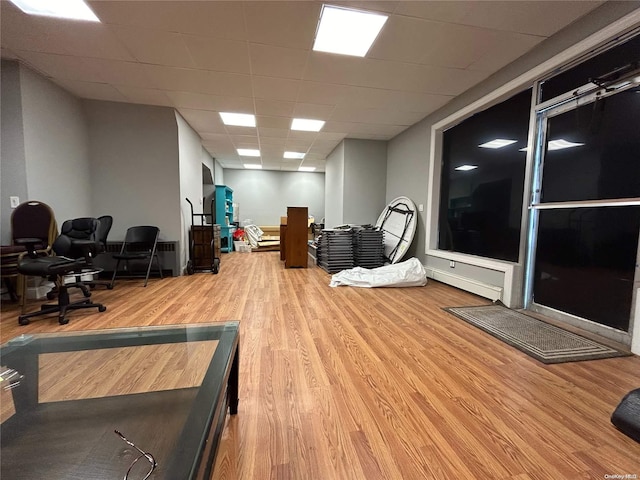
(561, 144)
(497, 143)
(347, 31)
(248, 152)
(306, 169)
(253, 166)
(296, 155)
(307, 125)
(238, 119)
(69, 9)
(466, 168)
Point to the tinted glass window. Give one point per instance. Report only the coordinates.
(481, 208)
(604, 161)
(602, 64)
(585, 262)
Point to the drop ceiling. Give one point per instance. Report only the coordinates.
(205, 57)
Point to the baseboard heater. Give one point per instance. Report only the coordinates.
(484, 290)
(168, 253)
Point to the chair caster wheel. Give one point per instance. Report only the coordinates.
(102, 308)
(63, 321)
(109, 287)
(216, 266)
(190, 269)
(23, 321)
(51, 295)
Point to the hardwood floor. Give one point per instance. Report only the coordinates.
(347, 383)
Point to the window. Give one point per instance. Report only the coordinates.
(482, 181)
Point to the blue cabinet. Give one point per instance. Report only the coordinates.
(224, 216)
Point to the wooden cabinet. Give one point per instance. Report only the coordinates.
(204, 237)
(224, 216)
(296, 237)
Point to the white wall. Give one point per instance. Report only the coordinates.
(56, 147)
(334, 190)
(264, 195)
(134, 166)
(13, 171)
(365, 173)
(190, 165)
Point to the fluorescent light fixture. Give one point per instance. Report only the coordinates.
(561, 144)
(238, 119)
(253, 166)
(307, 125)
(347, 31)
(466, 168)
(69, 9)
(297, 155)
(306, 169)
(497, 143)
(248, 152)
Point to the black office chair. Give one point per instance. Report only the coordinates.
(140, 243)
(77, 237)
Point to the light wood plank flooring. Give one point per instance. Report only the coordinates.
(346, 383)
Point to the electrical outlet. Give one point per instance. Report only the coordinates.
(421, 208)
(15, 201)
(452, 264)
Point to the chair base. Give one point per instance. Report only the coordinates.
(62, 307)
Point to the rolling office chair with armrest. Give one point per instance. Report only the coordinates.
(104, 227)
(73, 239)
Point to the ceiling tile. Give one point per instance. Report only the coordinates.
(270, 88)
(218, 19)
(321, 93)
(218, 54)
(154, 46)
(275, 141)
(94, 91)
(61, 66)
(267, 150)
(200, 81)
(312, 111)
(285, 24)
(203, 120)
(273, 122)
(273, 132)
(505, 53)
(144, 96)
(274, 108)
(218, 103)
(271, 61)
(235, 130)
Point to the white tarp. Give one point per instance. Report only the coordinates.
(410, 273)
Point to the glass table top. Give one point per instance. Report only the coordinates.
(166, 389)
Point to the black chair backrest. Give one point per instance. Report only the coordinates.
(142, 236)
(77, 229)
(103, 229)
(33, 219)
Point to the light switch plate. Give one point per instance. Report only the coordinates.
(15, 201)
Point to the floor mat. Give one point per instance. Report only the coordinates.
(544, 342)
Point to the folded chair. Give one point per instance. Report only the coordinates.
(140, 243)
(77, 238)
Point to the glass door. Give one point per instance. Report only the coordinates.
(585, 212)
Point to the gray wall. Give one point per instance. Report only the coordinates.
(45, 153)
(263, 195)
(333, 196)
(134, 166)
(190, 163)
(365, 173)
(408, 153)
(13, 170)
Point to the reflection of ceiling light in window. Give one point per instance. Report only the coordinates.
(238, 119)
(70, 9)
(465, 168)
(497, 143)
(253, 166)
(307, 125)
(248, 152)
(346, 31)
(298, 155)
(561, 143)
(306, 169)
